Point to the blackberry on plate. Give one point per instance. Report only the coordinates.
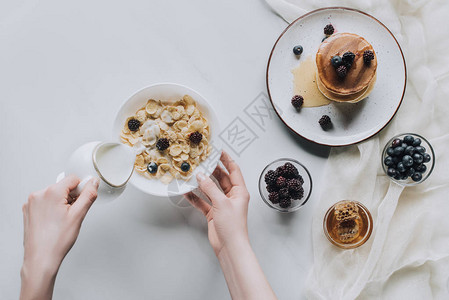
(348, 59)
(274, 197)
(162, 144)
(325, 122)
(133, 124)
(283, 193)
(342, 71)
(281, 182)
(368, 56)
(270, 177)
(195, 137)
(152, 167)
(285, 203)
(297, 101)
(290, 170)
(297, 50)
(329, 29)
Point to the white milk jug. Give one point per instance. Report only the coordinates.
(112, 162)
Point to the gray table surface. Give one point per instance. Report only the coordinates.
(65, 68)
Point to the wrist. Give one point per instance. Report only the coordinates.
(42, 267)
(236, 246)
(38, 279)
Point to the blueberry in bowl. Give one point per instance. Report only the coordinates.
(408, 159)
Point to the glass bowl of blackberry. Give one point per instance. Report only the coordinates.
(408, 159)
(285, 185)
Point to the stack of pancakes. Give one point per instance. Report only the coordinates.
(361, 76)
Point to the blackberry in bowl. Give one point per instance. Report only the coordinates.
(285, 185)
(408, 159)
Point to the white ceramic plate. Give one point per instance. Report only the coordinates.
(352, 123)
(170, 92)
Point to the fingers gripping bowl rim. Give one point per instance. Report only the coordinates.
(170, 92)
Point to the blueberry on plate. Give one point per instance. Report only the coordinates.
(396, 143)
(421, 168)
(390, 151)
(401, 167)
(409, 150)
(420, 149)
(398, 151)
(418, 158)
(408, 139)
(410, 172)
(398, 176)
(388, 161)
(427, 157)
(417, 177)
(391, 172)
(152, 167)
(185, 167)
(297, 50)
(416, 142)
(404, 176)
(336, 61)
(407, 160)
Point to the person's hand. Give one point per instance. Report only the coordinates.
(227, 216)
(52, 221)
(228, 231)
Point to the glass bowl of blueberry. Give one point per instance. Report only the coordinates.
(285, 185)
(408, 159)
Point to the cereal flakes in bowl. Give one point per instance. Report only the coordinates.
(174, 132)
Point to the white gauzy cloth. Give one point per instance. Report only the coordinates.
(407, 256)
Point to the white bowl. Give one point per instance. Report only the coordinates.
(170, 92)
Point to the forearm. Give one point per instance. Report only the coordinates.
(243, 273)
(38, 280)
